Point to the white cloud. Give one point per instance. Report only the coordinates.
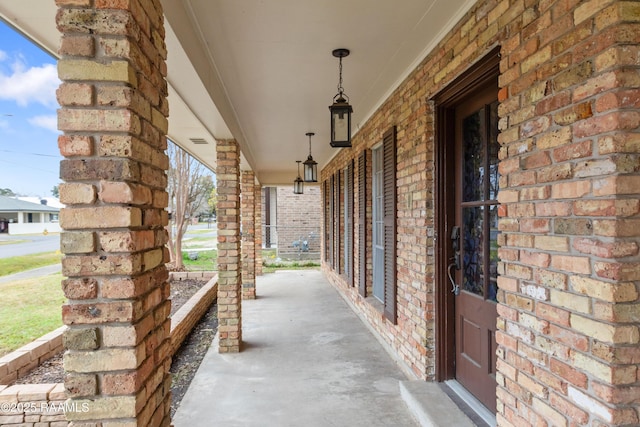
(26, 85)
(3, 55)
(48, 122)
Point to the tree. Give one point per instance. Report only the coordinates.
(55, 192)
(213, 201)
(7, 192)
(188, 187)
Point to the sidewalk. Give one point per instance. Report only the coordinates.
(307, 360)
(30, 274)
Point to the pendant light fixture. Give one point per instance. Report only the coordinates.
(340, 110)
(298, 184)
(310, 165)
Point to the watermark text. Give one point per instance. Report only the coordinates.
(42, 407)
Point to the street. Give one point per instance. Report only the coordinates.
(36, 243)
(28, 244)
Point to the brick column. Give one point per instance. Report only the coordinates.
(113, 115)
(248, 212)
(257, 195)
(229, 268)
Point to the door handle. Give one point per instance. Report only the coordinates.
(455, 288)
(455, 243)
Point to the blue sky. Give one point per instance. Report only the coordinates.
(29, 155)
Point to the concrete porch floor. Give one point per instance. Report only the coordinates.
(308, 360)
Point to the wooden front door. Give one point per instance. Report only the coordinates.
(473, 268)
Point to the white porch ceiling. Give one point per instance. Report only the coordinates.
(261, 71)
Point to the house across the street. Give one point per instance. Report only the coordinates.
(22, 217)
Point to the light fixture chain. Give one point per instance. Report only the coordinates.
(340, 88)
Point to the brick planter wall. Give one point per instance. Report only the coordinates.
(21, 361)
(183, 320)
(570, 212)
(33, 405)
(42, 405)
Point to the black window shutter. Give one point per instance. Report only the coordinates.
(348, 207)
(389, 167)
(337, 264)
(327, 216)
(331, 222)
(362, 224)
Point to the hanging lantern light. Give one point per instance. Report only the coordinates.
(310, 165)
(340, 110)
(298, 184)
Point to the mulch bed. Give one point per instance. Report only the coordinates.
(185, 362)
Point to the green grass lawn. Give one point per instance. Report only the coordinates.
(207, 261)
(17, 264)
(270, 267)
(29, 309)
(271, 262)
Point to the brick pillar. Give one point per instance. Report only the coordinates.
(569, 327)
(248, 210)
(229, 265)
(113, 115)
(257, 195)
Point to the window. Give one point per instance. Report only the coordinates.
(384, 224)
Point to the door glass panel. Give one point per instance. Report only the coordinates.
(473, 161)
(494, 146)
(472, 254)
(492, 292)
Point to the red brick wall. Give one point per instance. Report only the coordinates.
(568, 326)
(569, 194)
(299, 215)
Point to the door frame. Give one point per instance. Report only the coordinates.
(482, 73)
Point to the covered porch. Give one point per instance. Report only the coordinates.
(534, 104)
(308, 360)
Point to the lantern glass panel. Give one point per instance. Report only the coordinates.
(310, 171)
(341, 124)
(340, 127)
